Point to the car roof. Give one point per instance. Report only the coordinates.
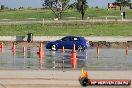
(73, 36)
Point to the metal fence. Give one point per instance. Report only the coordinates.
(103, 19)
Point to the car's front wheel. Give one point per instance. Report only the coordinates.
(80, 48)
(53, 47)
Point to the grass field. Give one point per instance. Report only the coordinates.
(48, 14)
(62, 30)
(88, 29)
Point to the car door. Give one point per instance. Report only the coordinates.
(76, 41)
(66, 42)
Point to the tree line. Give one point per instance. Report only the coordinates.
(58, 6)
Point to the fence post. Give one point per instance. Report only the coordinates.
(122, 18)
(93, 20)
(43, 21)
(106, 19)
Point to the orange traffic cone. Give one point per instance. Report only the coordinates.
(97, 50)
(2, 45)
(63, 49)
(41, 51)
(74, 58)
(126, 50)
(1, 50)
(41, 54)
(74, 50)
(41, 60)
(24, 49)
(24, 53)
(14, 48)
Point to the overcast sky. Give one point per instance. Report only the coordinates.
(37, 3)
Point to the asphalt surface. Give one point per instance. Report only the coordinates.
(107, 59)
(56, 79)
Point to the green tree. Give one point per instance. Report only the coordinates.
(123, 3)
(81, 7)
(57, 6)
(2, 7)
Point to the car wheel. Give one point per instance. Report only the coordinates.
(80, 48)
(53, 47)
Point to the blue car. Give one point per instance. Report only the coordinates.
(68, 42)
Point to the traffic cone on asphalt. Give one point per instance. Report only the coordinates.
(126, 50)
(41, 51)
(24, 52)
(1, 45)
(74, 58)
(74, 50)
(63, 49)
(14, 47)
(41, 60)
(1, 50)
(97, 50)
(24, 49)
(41, 54)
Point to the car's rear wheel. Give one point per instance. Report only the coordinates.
(80, 48)
(53, 47)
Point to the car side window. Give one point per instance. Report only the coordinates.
(66, 39)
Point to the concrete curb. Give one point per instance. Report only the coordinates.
(52, 38)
